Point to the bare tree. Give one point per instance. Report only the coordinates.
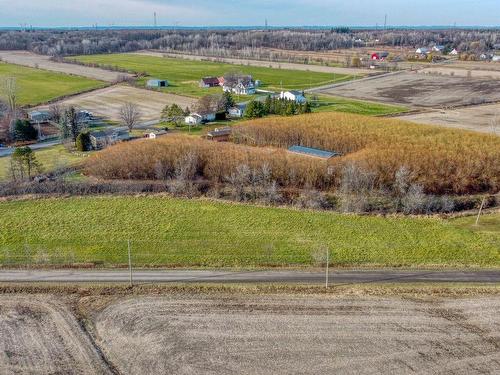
(130, 115)
(56, 112)
(9, 92)
(495, 123)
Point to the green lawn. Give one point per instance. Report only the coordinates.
(36, 86)
(190, 233)
(50, 158)
(184, 75)
(360, 107)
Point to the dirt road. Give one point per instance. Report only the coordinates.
(43, 62)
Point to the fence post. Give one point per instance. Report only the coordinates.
(480, 211)
(327, 264)
(129, 264)
(26, 253)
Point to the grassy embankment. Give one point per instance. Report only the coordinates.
(191, 233)
(184, 75)
(36, 86)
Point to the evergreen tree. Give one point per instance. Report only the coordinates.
(24, 131)
(255, 109)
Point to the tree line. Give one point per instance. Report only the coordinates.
(215, 42)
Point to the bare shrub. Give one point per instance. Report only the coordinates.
(414, 201)
(312, 199)
(356, 185)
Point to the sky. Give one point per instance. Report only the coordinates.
(58, 13)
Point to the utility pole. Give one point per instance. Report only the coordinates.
(130, 265)
(480, 211)
(156, 24)
(385, 22)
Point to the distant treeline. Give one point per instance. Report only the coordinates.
(78, 42)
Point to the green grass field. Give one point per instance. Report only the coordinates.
(191, 233)
(360, 107)
(36, 86)
(50, 158)
(184, 75)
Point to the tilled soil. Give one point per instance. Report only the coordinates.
(482, 118)
(301, 335)
(39, 335)
(422, 90)
(107, 102)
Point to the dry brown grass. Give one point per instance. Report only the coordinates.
(444, 161)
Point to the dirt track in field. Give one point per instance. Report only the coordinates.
(43, 62)
(481, 118)
(39, 335)
(108, 101)
(301, 335)
(263, 64)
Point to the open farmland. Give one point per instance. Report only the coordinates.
(184, 75)
(201, 233)
(291, 334)
(249, 330)
(108, 101)
(421, 90)
(325, 103)
(481, 118)
(264, 64)
(36, 86)
(44, 62)
(39, 335)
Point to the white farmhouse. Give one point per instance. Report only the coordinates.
(296, 96)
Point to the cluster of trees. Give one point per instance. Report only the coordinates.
(442, 161)
(275, 106)
(23, 164)
(191, 167)
(219, 42)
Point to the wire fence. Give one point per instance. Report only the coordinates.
(174, 253)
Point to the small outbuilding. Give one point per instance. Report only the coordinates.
(157, 83)
(219, 134)
(39, 117)
(314, 152)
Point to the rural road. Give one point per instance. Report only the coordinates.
(199, 276)
(7, 151)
